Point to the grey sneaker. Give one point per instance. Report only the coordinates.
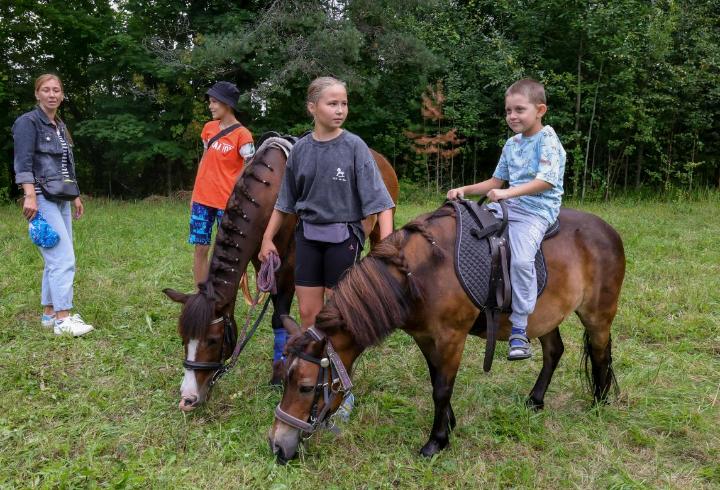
(48, 321)
(73, 325)
(519, 348)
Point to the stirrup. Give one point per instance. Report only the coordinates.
(519, 352)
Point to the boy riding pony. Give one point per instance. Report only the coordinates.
(533, 162)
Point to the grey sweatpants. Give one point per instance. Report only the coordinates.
(526, 230)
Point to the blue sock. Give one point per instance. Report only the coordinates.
(46, 318)
(280, 339)
(517, 331)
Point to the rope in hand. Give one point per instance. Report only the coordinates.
(266, 278)
(266, 283)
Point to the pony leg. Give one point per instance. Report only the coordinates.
(552, 349)
(450, 413)
(598, 350)
(281, 306)
(445, 357)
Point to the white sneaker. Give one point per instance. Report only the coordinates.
(72, 325)
(48, 321)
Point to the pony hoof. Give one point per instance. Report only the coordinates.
(430, 449)
(600, 402)
(534, 405)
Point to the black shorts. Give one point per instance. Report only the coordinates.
(319, 264)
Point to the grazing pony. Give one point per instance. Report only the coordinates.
(207, 323)
(408, 281)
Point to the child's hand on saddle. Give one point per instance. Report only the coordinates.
(454, 194)
(265, 249)
(497, 194)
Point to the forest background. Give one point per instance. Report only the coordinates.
(633, 86)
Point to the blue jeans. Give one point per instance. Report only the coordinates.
(59, 273)
(526, 230)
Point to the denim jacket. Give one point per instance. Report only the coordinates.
(38, 151)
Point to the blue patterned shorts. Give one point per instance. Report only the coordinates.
(201, 223)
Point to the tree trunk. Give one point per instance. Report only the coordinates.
(474, 179)
(625, 177)
(578, 100)
(169, 177)
(639, 165)
(592, 118)
(671, 140)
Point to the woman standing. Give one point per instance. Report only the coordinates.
(43, 150)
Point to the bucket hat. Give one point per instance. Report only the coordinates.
(41, 233)
(225, 92)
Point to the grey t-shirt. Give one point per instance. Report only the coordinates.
(334, 181)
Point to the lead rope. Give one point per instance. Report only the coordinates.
(266, 283)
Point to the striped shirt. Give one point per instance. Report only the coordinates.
(64, 166)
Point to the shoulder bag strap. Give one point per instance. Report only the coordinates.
(222, 133)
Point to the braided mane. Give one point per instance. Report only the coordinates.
(369, 303)
(199, 309)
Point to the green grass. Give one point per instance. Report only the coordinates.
(101, 411)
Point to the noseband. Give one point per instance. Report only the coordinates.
(220, 367)
(340, 383)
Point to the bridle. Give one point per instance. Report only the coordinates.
(340, 383)
(219, 367)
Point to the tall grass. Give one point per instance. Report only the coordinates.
(101, 411)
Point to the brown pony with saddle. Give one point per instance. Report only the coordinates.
(207, 323)
(409, 282)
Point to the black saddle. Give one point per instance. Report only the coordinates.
(482, 264)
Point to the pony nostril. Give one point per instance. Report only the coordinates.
(190, 401)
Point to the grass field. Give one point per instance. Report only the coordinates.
(101, 411)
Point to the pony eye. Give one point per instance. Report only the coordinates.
(307, 389)
(212, 342)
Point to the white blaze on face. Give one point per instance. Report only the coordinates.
(189, 387)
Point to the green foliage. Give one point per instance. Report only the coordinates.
(633, 86)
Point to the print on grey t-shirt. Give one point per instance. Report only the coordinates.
(334, 181)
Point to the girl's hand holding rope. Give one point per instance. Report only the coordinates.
(267, 248)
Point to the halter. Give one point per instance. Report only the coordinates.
(340, 383)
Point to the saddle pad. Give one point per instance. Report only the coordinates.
(473, 260)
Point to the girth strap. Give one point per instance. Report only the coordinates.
(493, 231)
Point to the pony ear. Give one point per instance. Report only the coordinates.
(291, 326)
(176, 296)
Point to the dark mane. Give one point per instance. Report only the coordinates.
(297, 343)
(198, 312)
(369, 302)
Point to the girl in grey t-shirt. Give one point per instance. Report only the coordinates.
(331, 182)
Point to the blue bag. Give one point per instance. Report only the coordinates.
(41, 233)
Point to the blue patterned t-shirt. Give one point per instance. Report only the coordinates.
(540, 156)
